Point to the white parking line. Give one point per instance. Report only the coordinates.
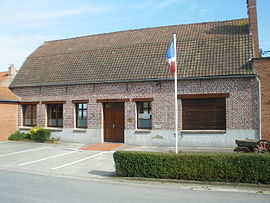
(29, 150)
(4, 142)
(50, 157)
(74, 162)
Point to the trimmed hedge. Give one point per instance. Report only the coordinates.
(235, 167)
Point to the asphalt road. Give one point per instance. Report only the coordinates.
(26, 187)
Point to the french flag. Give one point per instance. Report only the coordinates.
(171, 58)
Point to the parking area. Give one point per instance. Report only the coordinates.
(67, 158)
(56, 159)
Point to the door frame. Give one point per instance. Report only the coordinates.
(103, 119)
(102, 113)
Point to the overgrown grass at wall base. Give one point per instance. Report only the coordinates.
(235, 167)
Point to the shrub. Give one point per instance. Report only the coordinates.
(247, 168)
(17, 136)
(39, 134)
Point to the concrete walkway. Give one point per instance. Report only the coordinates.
(172, 149)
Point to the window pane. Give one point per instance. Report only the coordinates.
(60, 111)
(60, 122)
(140, 107)
(34, 107)
(80, 114)
(52, 111)
(55, 116)
(144, 115)
(84, 114)
(145, 105)
(34, 122)
(82, 123)
(52, 122)
(27, 121)
(145, 123)
(30, 114)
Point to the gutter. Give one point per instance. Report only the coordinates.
(139, 80)
(260, 106)
(9, 100)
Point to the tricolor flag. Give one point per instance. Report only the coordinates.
(171, 57)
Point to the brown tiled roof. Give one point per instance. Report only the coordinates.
(204, 49)
(3, 76)
(7, 95)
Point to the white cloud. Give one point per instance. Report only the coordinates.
(30, 13)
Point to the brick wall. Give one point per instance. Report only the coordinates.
(241, 106)
(8, 118)
(262, 66)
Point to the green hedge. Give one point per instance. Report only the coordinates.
(17, 136)
(39, 134)
(235, 167)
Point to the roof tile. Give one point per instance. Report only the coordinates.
(204, 49)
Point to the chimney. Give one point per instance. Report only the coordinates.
(253, 26)
(11, 70)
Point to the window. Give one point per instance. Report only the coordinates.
(55, 115)
(144, 115)
(204, 114)
(29, 114)
(81, 115)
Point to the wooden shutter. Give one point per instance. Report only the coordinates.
(204, 114)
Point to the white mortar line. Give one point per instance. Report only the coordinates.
(50, 157)
(29, 150)
(74, 162)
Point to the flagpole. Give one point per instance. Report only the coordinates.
(175, 97)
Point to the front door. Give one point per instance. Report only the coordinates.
(114, 122)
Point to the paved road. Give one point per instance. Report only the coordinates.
(24, 187)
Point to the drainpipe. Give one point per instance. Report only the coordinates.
(260, 106)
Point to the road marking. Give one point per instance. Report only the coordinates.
(74, 162)
(29, 150)
(50, 157)
(5, 142)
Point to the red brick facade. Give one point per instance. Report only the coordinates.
(262, 66)
(8, 118)
(241, 105)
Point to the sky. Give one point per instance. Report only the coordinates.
(27, 24)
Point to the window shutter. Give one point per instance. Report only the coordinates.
(204, 114)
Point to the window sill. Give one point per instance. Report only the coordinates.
(203, 131)
(54, 128)
(79, 129)
(143, 131)
(25, 127)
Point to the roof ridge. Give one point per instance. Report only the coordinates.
(147, 28)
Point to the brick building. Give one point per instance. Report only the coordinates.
(262, 66)
(117, 87)
(8, 105)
